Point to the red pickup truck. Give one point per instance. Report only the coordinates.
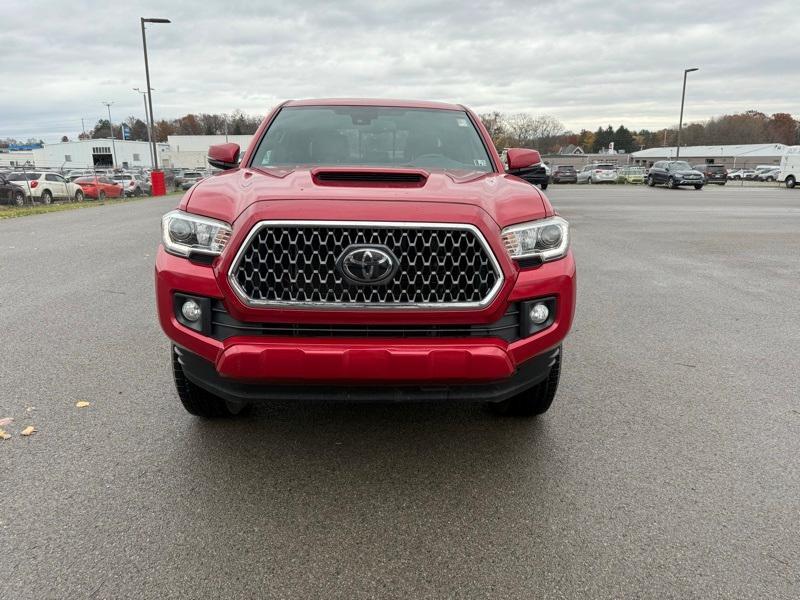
(366, 250)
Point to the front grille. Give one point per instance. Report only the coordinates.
(223, 326)
(439, 265)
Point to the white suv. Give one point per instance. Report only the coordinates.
(46, 187)
(599, 173)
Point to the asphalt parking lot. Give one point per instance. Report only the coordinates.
(667, 467)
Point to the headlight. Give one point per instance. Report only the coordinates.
(547, 239)
(185, 234)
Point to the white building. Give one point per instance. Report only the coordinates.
(190, 151)
(732, 155)
(95, 153)
(16, 158)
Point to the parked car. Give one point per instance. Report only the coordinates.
(100, 187)
(266, 321)
(740, 174)
(11, 192)
(564, 174)
(189, 178)
(673, 174)
(769, 175)
(598, 173)
(46, 186)
(132, 184)
(717, 174)
(630, 175)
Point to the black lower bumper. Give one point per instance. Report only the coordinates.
(203, 374)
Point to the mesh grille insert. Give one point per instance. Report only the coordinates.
(296, 264)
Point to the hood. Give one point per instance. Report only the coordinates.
(505, 198)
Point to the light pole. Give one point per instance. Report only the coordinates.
(149, 127)
(111, 129)
(683, 98)
(147, 76)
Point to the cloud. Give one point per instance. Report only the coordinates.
(586, 63)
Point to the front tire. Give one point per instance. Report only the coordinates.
(650, 181)
(101, 196)
(46, 197)
(790, 182)
(19, 198)
(79, 196)
(671, 183)
(533, 401)
(698, 187)
(200, 402)
(544, 186)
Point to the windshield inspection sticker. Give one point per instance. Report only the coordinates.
(463, 123)
(480, 162)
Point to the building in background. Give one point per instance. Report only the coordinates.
(734, 155)
(83, 154)
(15, 158)
(190, 151)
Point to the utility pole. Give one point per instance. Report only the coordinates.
(111, 128)
(149, 127)
(142, 20)
(683, 97)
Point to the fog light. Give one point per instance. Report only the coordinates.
(192, 312)
(539, 313)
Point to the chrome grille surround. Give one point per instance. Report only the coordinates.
(339, 295)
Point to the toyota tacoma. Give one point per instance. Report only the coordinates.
(366, 250)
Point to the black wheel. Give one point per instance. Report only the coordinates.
(137, 192)
(101, 195)
(671, 183)
(650, 181)
(19, 198)
(79, 196)
(200, 402)
(698, 187)
(770, 178)
(722, 183)
(589, 181)
(790, 181)
(533, 401)
(46, 197)
(544, 186)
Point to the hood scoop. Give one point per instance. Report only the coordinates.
(369, 177)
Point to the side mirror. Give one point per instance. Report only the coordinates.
(224, 156)
(522, 158)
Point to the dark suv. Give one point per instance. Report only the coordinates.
(10, 192)
(713, 173)
(565, 174)
(674, 173)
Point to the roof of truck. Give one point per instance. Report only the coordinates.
(374, 102)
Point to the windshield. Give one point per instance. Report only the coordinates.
(679, 164)
(372, 136)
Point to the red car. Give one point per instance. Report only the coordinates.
(99, 187)
(366, 250)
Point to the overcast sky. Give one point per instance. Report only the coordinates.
(586, 63)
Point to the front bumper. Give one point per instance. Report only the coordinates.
(204, 374)
(286, 366)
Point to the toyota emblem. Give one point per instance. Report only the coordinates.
(367, 265)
